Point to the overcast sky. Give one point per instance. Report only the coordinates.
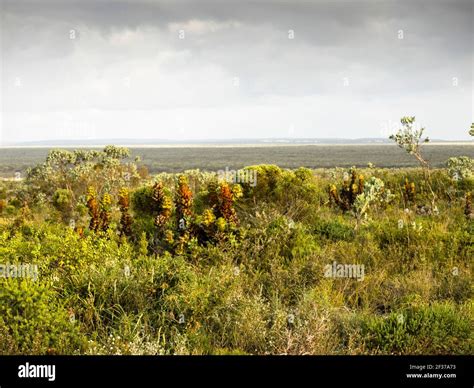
(234, 69)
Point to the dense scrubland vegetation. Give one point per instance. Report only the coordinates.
(132, 263)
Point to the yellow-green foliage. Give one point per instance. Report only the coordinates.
(33, 320)
(247, 275)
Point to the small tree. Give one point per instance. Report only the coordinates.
(76, 171)
(411, 139)
(471, 132)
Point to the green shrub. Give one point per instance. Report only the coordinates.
(142, 201)
(334, 229)
(268, 177)
(62, 199)
(33, 322)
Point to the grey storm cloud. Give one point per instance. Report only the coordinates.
(369, 61)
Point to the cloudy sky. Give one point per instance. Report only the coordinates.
(235, 69)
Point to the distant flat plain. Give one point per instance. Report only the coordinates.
(213, 158)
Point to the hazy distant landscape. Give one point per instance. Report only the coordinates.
(238, 178)
(213, 158)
